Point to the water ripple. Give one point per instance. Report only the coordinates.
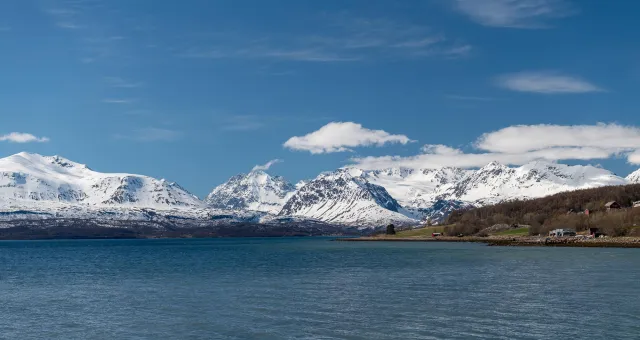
(314, 289)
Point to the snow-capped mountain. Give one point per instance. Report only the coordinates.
(414, 188)
(27, 178)
(345, 197)
(35, 187)
(495, 182)
(257, 191)
(634, 177)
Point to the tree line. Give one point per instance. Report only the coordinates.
(563, 210)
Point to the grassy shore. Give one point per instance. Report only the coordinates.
(513, 237)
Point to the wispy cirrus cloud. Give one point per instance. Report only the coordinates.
(546, 82)
(340, 38)
(241, 122)
(151, 134)
(524, 14)
(66, 17)
(118, 101)
(22, 137)
(94, 26)
(121, 83)
(520, 144)
(342, 137)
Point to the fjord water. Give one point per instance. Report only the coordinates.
(313, 288)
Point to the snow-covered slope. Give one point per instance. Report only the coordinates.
(345, 197)
(634, 177)
(496, 182)
(414, 188)
(256, 191)
(27, 178)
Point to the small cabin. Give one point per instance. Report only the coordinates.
(613, 205)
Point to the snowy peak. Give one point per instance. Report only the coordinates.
(344, 197)
(26, 178)
(634, 177)
(30, 162)
(256, 191)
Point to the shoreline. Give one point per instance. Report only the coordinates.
(501, 241)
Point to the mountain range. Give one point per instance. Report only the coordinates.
(40, 187)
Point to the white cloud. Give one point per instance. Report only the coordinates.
(522, 138)
(151, 134)
(21, 137)
(439, 149)
(340, 137)
(545, 83)
(634, 157)
(517, 145)
(266, 166)
(474, 160)
(530, 14)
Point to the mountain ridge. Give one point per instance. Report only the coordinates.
(56, 186)
(32, 177)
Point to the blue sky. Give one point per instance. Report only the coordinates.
(196, 91)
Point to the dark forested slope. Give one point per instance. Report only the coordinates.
(564, 210)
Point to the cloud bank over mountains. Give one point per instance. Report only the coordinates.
(513, 145)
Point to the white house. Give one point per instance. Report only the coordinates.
(562, 232)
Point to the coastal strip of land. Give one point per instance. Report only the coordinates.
(521, 241)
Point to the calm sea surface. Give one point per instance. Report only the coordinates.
(312, 288)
